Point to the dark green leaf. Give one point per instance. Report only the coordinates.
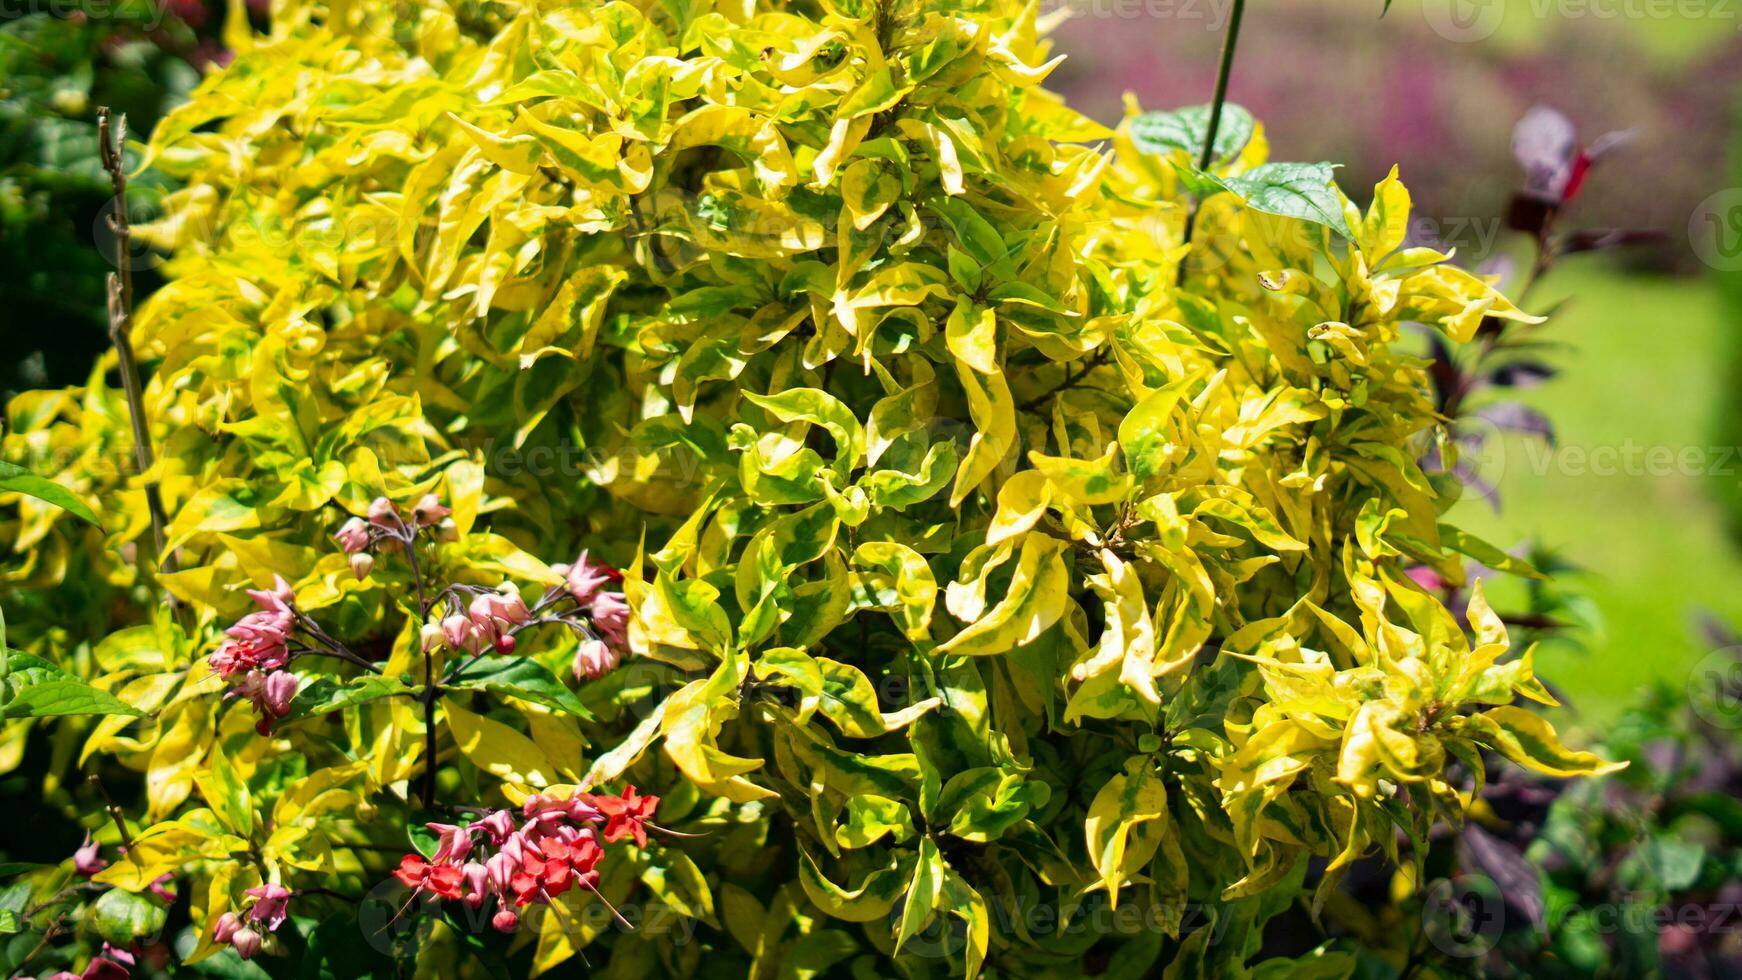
(1184, 129)
(324, 694)
(1293, 190)
(520, 677)
(35, 688)
(123, 917)
(17, 479)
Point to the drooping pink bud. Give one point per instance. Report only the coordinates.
(280, 689)
(452, 843)
(431, 636)
(353, 536)
(477, 879)
(587, 578)
(505, 643)
(593, 660)
(610, 616)
(362, 563)
(382, 513)
(505, 920)
(457, 630)
(247, 942)
(499, 825)
(499, 868)
(86, 860)
(110, 964)
(429, 510)
(225, 928)
(510, 608)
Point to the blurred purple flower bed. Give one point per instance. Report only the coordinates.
(1442, 111)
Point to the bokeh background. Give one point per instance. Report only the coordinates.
(1647, 337)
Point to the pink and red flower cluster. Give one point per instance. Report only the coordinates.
(557, 846)
(588, 581)
(261, 639)
(258, 648)
(387, 527)
(488, 622)
(243, 932)
(111, 964)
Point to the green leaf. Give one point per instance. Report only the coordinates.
(1530, 741)
(1293, 190)
(123, 917)
(324, 694)
(35, 688)
(1184, 129)
(1467, 544)
(520, 677)
(17, 479)
(922, 892)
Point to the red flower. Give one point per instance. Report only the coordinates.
(626, 815)
(417, 874)
(550, 867)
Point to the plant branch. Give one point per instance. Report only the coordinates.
(111, 139)
(431, 690)
(1206, 156)
(114, 811)
(1079, 373)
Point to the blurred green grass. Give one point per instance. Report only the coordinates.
(1669, 33)
(1645, 366)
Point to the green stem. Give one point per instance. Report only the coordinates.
(1206, 156)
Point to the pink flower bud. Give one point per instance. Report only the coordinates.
(353, 536)
(86, 860)
(247, 943)
(593, 660)
(477, 879)
(431, 636)
(499, 825)
(511, 608)
(611, 618)
(429, 510)
(225, 928)
(457, 630)
(587, 578)
(505, 643)
(280, 688)
(382, 513)
(453, 844)
(111, 964)
(499, 869)
(362, 563)
(505, 920)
